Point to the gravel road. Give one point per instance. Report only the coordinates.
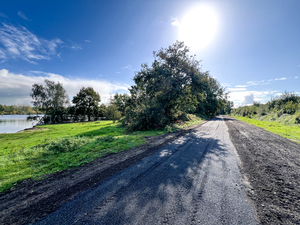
(194, 180)
(271, 164)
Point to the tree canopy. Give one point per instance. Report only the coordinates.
(172, 87)
(121, 101)
(86, 102)
(50, 98)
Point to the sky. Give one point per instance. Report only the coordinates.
(251, 47)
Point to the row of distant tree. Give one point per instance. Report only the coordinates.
(16, 110)
(173, 87)
(287, 103)
(53, 101)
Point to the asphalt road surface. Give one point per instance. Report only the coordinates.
(194, 180)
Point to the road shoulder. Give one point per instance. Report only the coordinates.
(271, 165)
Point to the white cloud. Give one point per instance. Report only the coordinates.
(175, 22)
(18, 42)
(248, 99)
(87, 40)
(241, 98)
(283, 78)
(240, 86)
(296, 77)
(237, 89)
(15, 88)
(22, 15)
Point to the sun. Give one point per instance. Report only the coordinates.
(198, 27)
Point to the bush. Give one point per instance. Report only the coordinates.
(291, 107)
(297, 120)
(64, 145)
(144, 118)
(105, 139)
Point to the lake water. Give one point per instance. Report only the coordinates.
(14, 123)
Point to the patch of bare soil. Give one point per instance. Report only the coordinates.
(32, 129)
(271, 164)
(31, 200)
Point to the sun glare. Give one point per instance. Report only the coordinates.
(198, 27)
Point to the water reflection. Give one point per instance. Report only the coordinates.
(15, 123)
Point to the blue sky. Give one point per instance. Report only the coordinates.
(253, 50)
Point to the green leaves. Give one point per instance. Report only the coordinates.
(171, 88)
(86, 102)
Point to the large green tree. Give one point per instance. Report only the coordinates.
(121, 101)
(87, 102)
(112, 112)
(172, 87)
(50, 98)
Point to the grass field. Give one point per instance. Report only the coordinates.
(52, 148)
(291, 132)
(34, 153)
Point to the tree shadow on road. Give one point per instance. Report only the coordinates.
(164, 182)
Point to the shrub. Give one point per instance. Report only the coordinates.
(105, 139)
(297, 120)
(65, 145)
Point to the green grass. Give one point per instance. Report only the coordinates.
(291, 132)
(32, 154)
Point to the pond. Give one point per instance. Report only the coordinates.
(15, 123)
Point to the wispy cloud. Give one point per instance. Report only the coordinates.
(240, 86)
(22, 15)
(225, 85)
(296, 77)
(283, 78)
(18, 42)
(253, 83)
(73, 45)
(128, 67)
(15, 88)
(237, 89)
(2, 54)
(87, 40)
(3, 15)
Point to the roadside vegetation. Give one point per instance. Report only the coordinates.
(47, 149)
(171, 94)
(280, 115)
(287, 131)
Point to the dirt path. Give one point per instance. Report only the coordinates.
(193, 180)
(272, 166)
(31, 200)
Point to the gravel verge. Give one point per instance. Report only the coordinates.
(271, 168)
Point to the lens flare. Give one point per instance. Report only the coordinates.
(198, 27)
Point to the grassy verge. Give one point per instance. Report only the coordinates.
(34, 153)
(31, 154)
(291, 132)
